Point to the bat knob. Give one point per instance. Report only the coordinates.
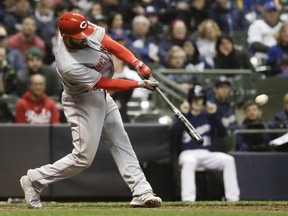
(200, 140)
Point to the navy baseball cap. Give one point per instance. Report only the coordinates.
(195, 92)
(222, 80)
(271, 5)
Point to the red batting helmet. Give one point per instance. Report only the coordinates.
(75, 25)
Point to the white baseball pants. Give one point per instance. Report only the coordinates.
(189, 160)
(94, 114)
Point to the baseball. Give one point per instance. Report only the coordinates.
(261, 99)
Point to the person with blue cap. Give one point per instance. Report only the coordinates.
(192, 156)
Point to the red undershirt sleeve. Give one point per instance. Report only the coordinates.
(117, 49)
(116, 84)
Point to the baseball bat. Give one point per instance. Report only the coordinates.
(186, 124)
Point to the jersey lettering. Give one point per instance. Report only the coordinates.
(38, 118)
(102, 61)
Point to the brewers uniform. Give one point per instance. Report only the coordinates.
(92, 114)
(193, 155)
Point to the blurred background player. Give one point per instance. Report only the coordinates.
(192, 155)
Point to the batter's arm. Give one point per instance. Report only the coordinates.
(117, 49)
(126, 55)
(123, 84)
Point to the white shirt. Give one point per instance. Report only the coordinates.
(260, 31)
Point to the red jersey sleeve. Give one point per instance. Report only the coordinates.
(118, 50)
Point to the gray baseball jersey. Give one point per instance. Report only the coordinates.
(92, 113)
(80, 69)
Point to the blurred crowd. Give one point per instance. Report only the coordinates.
(190, 35)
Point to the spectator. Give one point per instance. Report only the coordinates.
(181, 11)
(177, 60)
(60, 9)
(178, 34)
(13, 19)
(35, 107)
(252, 120)
(6, 115)
(115, 24)
(45, 19)
(157, 28)
(143, 44)
(26, 38)
(194, 61)
(6, 6)
(46, 22)
(192, 155)
(95, 10)
(198, 13)
(280, 121)
(7, 75)
(278, 54)
(228, 56)
(208, 32)
(99, 20)
(225, 110)
(14, 56)
(35, 66)
(261, 32)
(228, 16)
(256, 5)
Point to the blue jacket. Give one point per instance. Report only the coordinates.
(279, 121)
(275, 53)
(227, 114)
(206, 124)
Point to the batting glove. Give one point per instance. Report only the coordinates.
(143, 70)
(149, 84)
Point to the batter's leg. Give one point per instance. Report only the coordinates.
(119, 144)
(86, 114)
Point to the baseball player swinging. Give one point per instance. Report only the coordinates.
(84, 64)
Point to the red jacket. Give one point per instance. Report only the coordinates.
(30, 111)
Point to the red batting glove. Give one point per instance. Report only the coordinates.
(143, 70)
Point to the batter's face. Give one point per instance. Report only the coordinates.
(75, 43)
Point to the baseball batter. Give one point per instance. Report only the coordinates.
(84, 64)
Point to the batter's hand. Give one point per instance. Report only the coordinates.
(143, 70)
(148, 84)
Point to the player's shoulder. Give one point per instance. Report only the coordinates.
(98, 33)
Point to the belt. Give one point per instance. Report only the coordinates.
(95, 89)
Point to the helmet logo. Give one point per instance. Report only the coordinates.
(83, 24)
